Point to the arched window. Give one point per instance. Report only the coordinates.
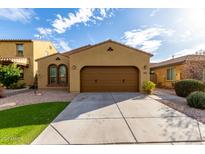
(62, 78)
(52, 74)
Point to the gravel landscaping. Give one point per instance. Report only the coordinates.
(169, 98)
(30, 98)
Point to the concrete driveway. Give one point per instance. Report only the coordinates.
(121, 118)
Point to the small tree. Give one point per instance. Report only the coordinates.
(193, 70)
(9, 74)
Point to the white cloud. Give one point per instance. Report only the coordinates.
(62, 45)
(15, 14)
(158, 60)
(106, 12)
(43, 32)
(198, 48)
(186, 34)
(190, 35)
(103, 12)
(37, 36)
(83, 16)
(151, 45)
(62, 23)
(145, 39)
(37, 18)
(154, 12)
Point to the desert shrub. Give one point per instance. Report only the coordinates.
(196, 100)
(148, 86)
(184, 87)
(9, 74)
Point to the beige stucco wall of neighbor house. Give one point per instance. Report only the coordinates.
(99, 56)
(8, 49)
(41, 49)
(43, 68)
(161, 74)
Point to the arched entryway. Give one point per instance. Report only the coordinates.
(109, 79)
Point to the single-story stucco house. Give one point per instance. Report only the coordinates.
(103, 67)
(167, 72)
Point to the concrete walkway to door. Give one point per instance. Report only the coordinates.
(121, 118)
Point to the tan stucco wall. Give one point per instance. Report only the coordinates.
(32, 50)
(161, 74)
(43, 69)
(39, 50)
(8, 49)
(99, 56)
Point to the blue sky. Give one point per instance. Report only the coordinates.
(163, 32)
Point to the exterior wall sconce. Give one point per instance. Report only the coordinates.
(110, 49)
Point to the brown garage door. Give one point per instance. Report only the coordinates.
(109, 79)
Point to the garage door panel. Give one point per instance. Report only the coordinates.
(116, 78)
(109, 68)
(110, 89)
(105, 82)
(111, 76)
(99, 79)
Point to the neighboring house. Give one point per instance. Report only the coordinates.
(24, 53)
(165, 73)
(103, 67)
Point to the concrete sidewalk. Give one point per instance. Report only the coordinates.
(121, 118)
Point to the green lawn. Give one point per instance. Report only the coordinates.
(21, 125)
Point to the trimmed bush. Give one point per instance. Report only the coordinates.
(196, 100)
(148, 86)
(184, 87)
(9, 74)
